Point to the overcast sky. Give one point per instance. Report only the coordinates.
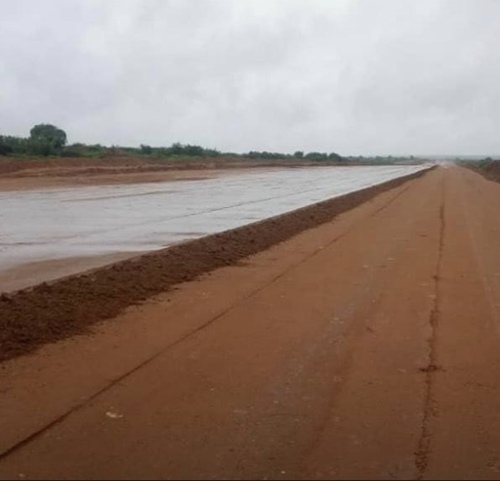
(349, 76)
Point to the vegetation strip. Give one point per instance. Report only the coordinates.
(488, 168)
(48, 140)
(54, 311)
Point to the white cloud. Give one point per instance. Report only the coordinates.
(354, 76)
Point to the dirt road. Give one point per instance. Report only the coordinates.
(367, 347)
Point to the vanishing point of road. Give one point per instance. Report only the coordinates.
(367, 347)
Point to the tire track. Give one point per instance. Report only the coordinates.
(432, 368)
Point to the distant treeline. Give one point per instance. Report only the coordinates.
(49, 140)
(46, 139)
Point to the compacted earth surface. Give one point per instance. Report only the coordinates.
(358, 338)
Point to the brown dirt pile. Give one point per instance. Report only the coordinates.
(60, 309)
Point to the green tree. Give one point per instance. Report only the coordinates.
(5, 147)
(334, 156)
(146, 149)
(13, 145)
(47, 139)
(316, 156)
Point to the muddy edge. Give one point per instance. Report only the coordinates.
(57, 310)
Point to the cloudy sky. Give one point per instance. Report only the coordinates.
(350, 76)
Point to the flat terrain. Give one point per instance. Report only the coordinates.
(366, 347)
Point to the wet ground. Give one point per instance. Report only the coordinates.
(364, 348)
(102, 221)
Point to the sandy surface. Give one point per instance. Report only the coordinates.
(367, 347)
